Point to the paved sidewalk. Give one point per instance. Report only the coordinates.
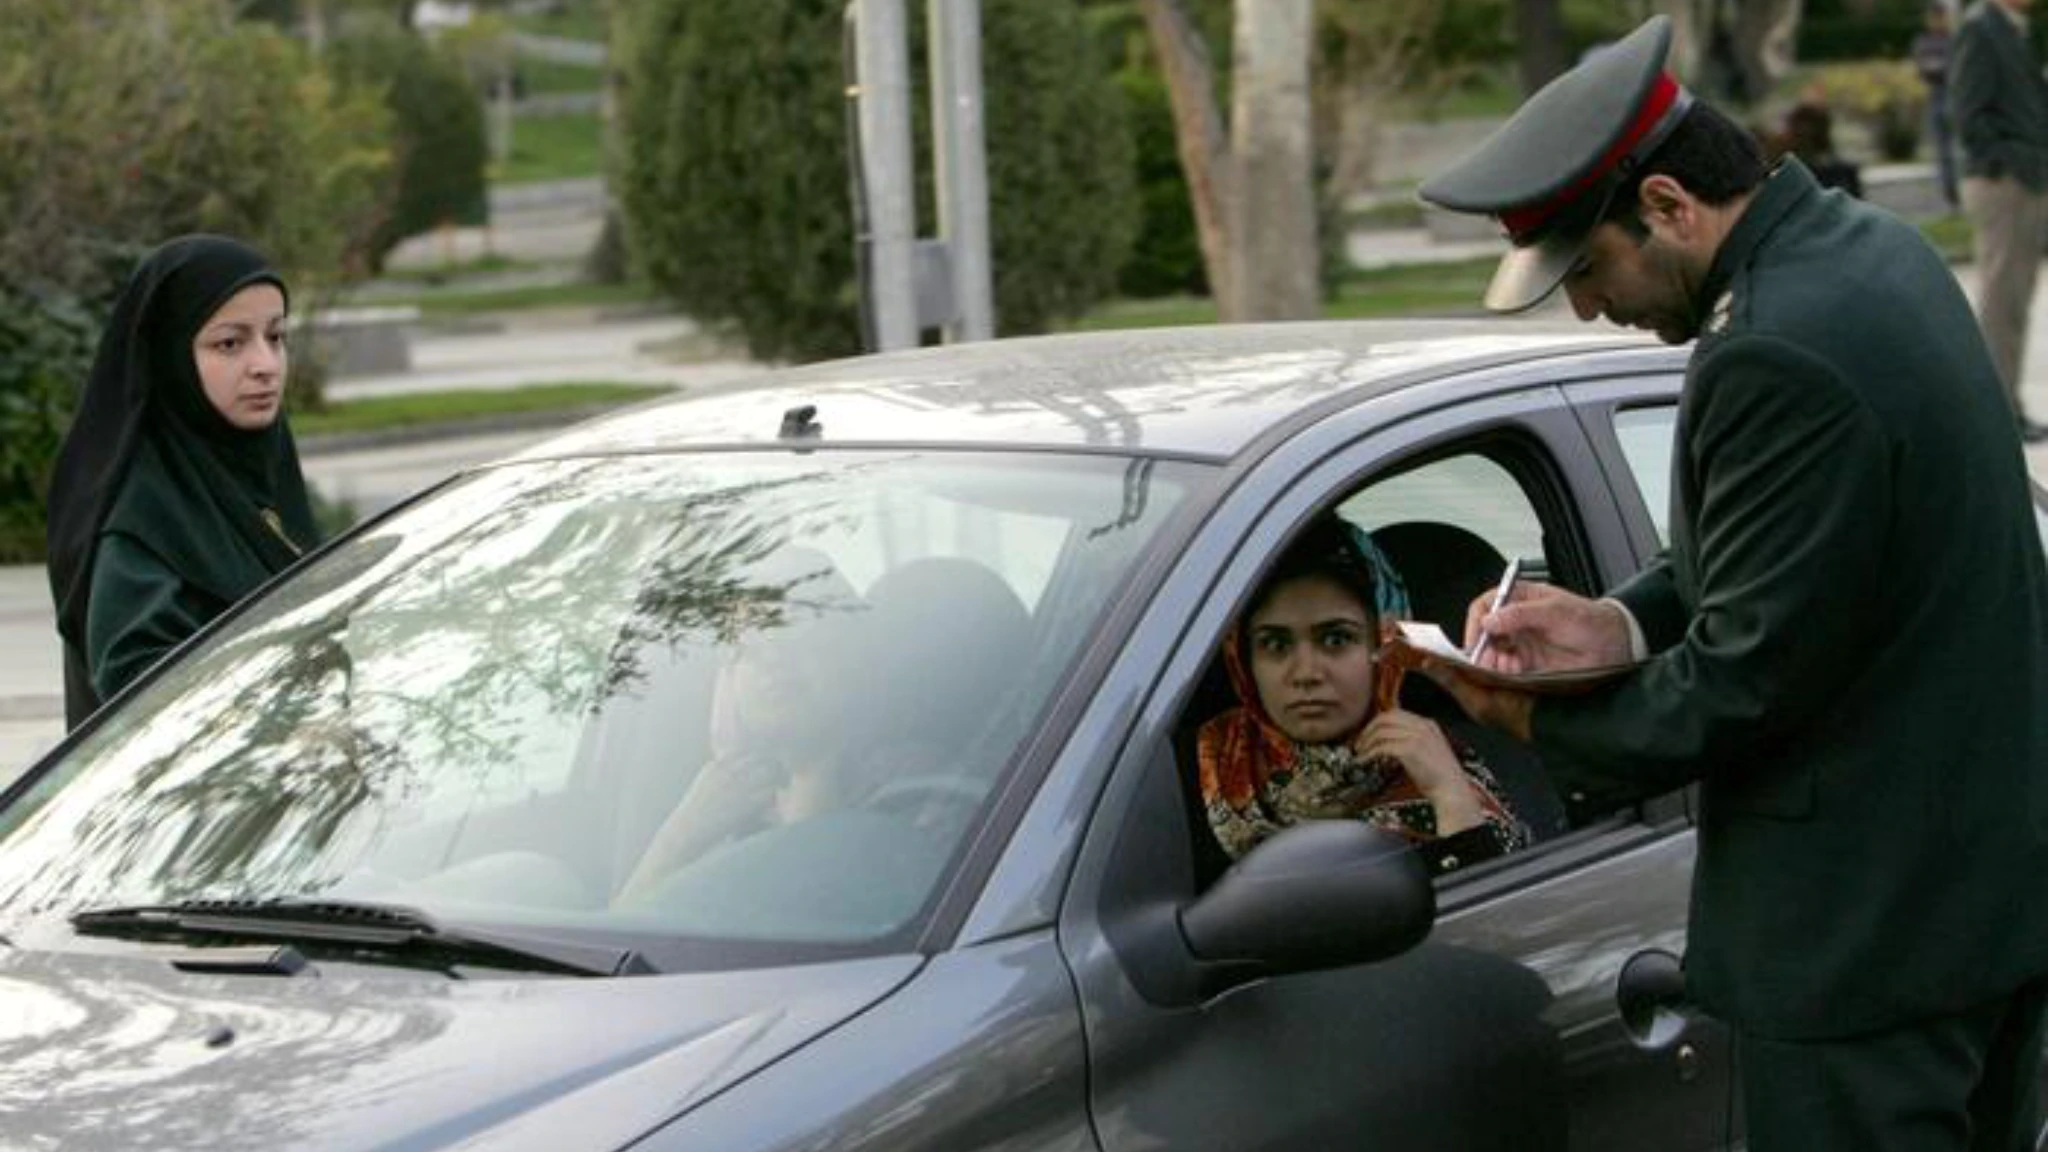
(554, 346)
(31, 671)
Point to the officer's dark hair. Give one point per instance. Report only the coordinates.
(1715, 158)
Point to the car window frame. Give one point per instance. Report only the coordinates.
(1597, 402)
(1530, 403)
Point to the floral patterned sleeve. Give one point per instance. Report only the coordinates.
(1500, 833)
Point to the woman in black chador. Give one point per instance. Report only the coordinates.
(177, 490)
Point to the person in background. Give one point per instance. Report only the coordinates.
(1809, 134)
(1930, 60)
(177, 489)
(1845, 644)
(1999, 102)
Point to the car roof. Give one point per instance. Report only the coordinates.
(1205, 392)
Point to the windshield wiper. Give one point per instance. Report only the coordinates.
(360, 925)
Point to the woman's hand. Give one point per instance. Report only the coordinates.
(1424, 752)
(807, 792)
(729, 795)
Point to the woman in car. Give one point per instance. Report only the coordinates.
(177, 490)
(1306, 741)
(850, 701)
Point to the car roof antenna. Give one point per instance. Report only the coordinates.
(800, 423)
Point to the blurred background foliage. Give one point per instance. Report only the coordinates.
(438, 144)
(329, 132)
(737, 178)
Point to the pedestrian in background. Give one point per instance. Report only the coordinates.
(177, 490)
(1846, 642)
(1809, 134)
(1999, 101)
(1930, 59)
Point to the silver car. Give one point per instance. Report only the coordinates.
(809, 767)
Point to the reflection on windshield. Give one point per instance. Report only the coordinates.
(746, 696)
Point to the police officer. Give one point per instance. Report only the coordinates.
(1846, 642)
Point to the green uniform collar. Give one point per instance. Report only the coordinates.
(1788, 186)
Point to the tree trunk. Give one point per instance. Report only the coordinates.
(1271, 220)
(1353, 137)
(1540, 50)
(1198, 133)
(1764, 33)
(606, 262)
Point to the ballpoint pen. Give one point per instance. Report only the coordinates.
(1501, 593)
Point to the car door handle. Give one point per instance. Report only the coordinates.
(1650, 993)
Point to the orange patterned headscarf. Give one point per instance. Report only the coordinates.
(1242, 749)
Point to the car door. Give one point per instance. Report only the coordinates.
(1502, 1027)
(1632, 422)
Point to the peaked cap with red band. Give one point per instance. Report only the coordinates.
(1548, 172)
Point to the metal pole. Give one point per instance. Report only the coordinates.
(962, 163)
(882, 53)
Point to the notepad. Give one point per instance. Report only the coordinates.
(1408, 642)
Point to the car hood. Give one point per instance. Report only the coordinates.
(125, 1051)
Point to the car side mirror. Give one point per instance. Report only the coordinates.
(1322, 894)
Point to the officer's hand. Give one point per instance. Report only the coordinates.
(1500, 708)
(1547, 629)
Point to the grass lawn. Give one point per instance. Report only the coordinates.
(380, 412)
(1451, 289)
(577, 20)
(441, 273)
(1950, 236)
(1387, 214)
(553, 148)
(546, 77)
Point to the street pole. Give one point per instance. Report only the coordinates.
(883, 67)
(960, 152)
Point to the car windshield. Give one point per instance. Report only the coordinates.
(743, 698)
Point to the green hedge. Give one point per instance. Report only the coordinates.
(46, 347)
(439, 139)
(1167, 258)
(736, 179)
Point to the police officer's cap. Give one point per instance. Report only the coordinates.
(1548, 173)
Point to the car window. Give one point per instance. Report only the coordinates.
(1647, 436)
(1446, 526)
(1471, 491)
(742, 696)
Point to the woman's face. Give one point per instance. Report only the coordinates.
(1311, 658)
(772, 689)
(240, 353)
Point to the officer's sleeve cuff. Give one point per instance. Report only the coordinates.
(1638, 647)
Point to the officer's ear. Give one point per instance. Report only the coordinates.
(1665, 206)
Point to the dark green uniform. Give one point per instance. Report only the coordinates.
(1851, 629)
(190, 533)
(1851, 638)
(141, 610)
